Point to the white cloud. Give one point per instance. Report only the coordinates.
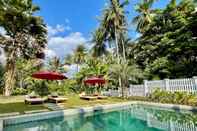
(68, 28)
(52, 31)
(2, 56)
(2, 31)
(49, 53)
(65, 45)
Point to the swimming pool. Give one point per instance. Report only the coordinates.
(132, 118)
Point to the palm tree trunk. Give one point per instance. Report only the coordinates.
(117, 47)
(123, 50)
(117, 52)
(10, 74)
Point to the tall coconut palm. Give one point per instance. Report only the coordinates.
(26, 35)
(79, 55)
(55, 64)
(145, 15)
(99, 48)
(114, 23)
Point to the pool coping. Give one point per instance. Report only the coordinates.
(83, 110)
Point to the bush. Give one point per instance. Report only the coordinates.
(19, 91)
(183, 98)
(63, 88)
(41, 88)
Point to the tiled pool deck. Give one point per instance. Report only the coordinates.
(52, 114)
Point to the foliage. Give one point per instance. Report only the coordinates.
(62, 87)
(125, 73)
(92, 67)
(25, 68)
(41, 88)
(167, 46)
(54, 64)
(25, 35)
(183, 98)
(19, 91)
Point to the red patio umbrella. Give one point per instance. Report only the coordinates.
(48, 75)
(95, 80)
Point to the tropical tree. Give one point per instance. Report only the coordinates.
(113, 24)
(68, 60)
(167, 49)
(54, 64)
(126, 73)
(99, 49)
(26, 35)
(145, 15)
(79, 55)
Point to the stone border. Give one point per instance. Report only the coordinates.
(70, 112)
(9, 114)
(1, 125)
(169, 106)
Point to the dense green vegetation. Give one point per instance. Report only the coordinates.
(174, 98)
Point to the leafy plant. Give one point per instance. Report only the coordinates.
(183, 98)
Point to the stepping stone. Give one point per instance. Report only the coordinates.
(54, 106)
(9, 114)
(1, 125)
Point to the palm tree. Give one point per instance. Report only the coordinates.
(26, 35)
(68, 60)
(79, 55)
(55, 64)
(99, 48)
(125, 73)
(145, 15)
(113, 23)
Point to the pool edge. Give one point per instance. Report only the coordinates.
(69, 112)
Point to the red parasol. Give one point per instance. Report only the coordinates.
(95, 80)
(47, 75)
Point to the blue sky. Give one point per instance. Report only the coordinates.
(70, 22)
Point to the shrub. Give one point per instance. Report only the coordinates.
(41, 88)
(173, 97)
(19, 91)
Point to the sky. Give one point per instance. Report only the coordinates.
(70, 23)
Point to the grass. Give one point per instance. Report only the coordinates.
(75, 101)
(19, 107)
(16, 103)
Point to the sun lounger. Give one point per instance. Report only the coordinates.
(56, 99)
(88, 97)
(34, 100)
(102, 97)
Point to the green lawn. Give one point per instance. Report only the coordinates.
(16, 103)
(19, 107)
(74, 101)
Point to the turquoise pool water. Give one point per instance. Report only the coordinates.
(133, 118)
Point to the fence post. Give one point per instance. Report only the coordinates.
(195, 82)
(167, 84)
(145, 88)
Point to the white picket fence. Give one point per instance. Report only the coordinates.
(171, 85)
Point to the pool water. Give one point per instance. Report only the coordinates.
(133, 118)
